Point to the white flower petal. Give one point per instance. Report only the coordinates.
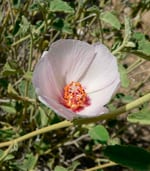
(58, 108)
(70, 58)
(102, 71)
(44, 81)
(98, 100)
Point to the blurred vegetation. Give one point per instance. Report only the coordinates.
(27, 28)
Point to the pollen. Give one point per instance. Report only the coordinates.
(75, 96)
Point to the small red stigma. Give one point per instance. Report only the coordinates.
(75, 96)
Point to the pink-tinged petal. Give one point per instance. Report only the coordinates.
(98, 100)
(102, 72)
(70, 58)
(58, 108)
(45, 82)
(74, 61)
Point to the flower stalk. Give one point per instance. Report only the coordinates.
(102, 166)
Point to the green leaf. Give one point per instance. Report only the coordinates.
(7, 157)
(141, 54)
(62, 25)
(7, 134)
(67, 28)
(29, 162)
(111, 19)
(99, 133)
(28, 75)
(74, 165)
(11, 91)
(144, 47)
(10, 68)
(31, 90)
(123, 76)
(24, 26)
(130, 156)
(138, 36)
(60, 6)
(8, 109)
(141, 117)
(60, 168)
(41, 118)
(127, 99)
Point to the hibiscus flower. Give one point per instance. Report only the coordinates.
(76, 79)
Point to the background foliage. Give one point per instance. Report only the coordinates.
(27, 28)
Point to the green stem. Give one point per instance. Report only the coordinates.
(29, 63)
(120, 47)
(116, 112)
(31, 51)
(6, 152)
(27, 81)
(59, 125)
(101, 30)
(85, 18)
(135, 64)
(28, 36)
(126, 36)
(11, 12)
(64, 124)
(54, 37)
(102, 166)
(21, 40)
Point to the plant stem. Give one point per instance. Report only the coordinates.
(85, 18)
(31, 50)
(116, 112)
(27, 81)
(29, 63)
(119, 48)
(54, 37)
(28, 36)
(101, 29)
(38, 132)
(6, 152)
(102, 166)
(66, 123)
(11, 12)
(135, 64)
(126, 36)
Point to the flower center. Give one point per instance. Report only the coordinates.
(75, 96)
